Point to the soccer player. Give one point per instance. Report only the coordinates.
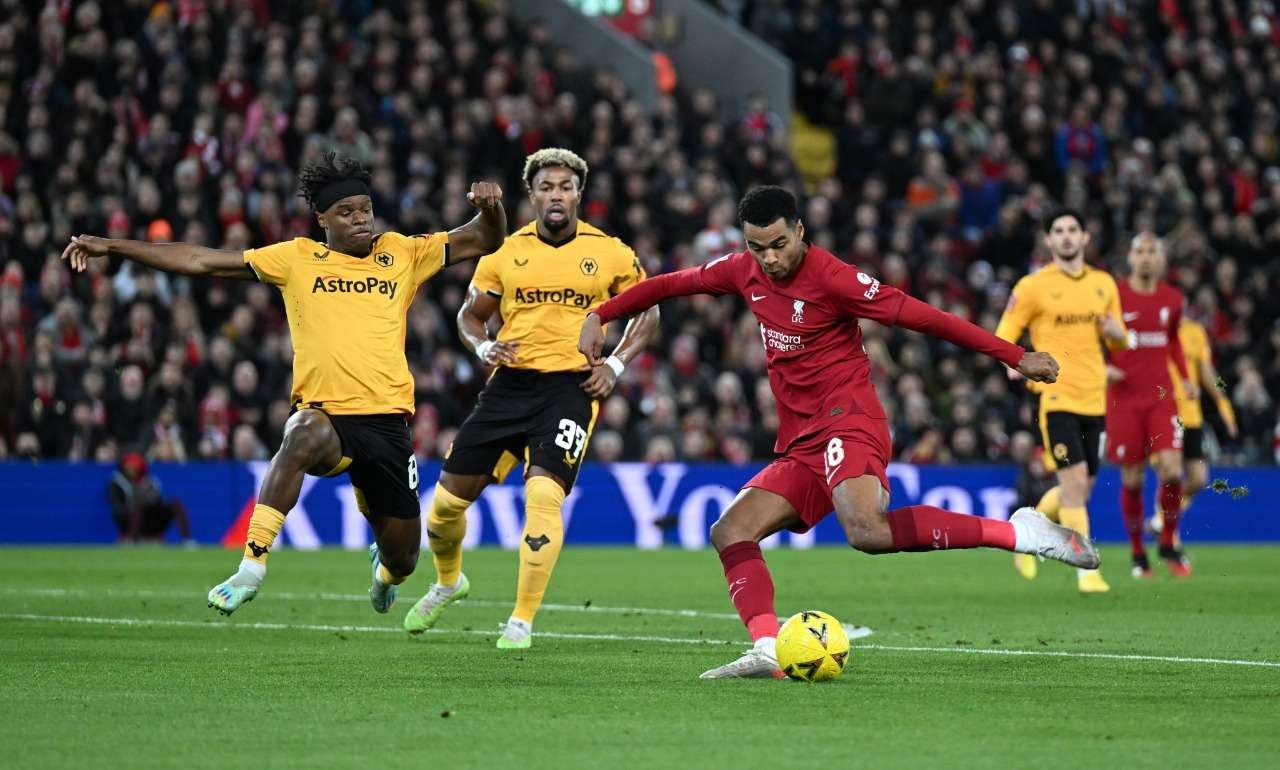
(346, 300)
(541, 402)
(1142, 412)
(1203, 374)
(832, 432)
(1070, 310)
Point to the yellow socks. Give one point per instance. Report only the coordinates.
(446, 526)
(539, 545)
(387, 579)
(264, 525)
(1051, 503)
(1075, 518)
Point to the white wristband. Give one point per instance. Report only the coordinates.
(615, 363)
(483, 349)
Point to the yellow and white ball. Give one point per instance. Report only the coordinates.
(812, 646)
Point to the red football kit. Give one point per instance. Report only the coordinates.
(1142, 412)
(832, 426)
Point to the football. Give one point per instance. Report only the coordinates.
(812, 646)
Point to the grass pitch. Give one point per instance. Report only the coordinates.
(109, 658)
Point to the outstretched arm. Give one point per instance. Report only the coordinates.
(918, 316)
(639, 333)
(484, 233)
(638, 298)
(868, 298)
(180, 258)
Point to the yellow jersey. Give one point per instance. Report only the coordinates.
(1195, 347)
(347, 317)
(547, 290)
(1062, 313)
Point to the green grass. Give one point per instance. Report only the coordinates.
(222, 693)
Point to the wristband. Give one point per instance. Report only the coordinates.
(615, 363)
(483, 348)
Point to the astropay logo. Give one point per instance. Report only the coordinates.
(332, 284)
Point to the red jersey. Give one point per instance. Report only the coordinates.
(818, 369)
(1152, 320)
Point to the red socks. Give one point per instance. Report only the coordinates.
(1171, 504)
(750, 588)
(1131, 510)
(925, 528)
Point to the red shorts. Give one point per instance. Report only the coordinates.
(814, 465)
(1136, 432)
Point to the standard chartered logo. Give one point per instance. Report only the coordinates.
(566, 296)
(777, 340)
(329, 284)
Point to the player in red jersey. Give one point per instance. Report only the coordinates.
(832, 431)
(1142, 412)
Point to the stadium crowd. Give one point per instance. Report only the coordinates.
(956, 125)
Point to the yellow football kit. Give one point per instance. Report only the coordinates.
(347, 317)
(1062, 313)
(535, 409)
(547, 290)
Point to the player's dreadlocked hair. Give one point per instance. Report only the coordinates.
(552, 157)
(324, 172)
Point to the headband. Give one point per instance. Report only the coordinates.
(336, 191)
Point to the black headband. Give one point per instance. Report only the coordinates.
(336, 191)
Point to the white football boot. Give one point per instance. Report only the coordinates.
(1035, 534)
(759, 662)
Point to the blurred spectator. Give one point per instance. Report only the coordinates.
(138, 507)
(952, 128)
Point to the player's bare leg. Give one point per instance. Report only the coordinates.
(310, 445)
(446, 527)
(394, 555)
(1168, 465)
(751, 517)
(861, 507)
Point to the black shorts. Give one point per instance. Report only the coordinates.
(540, 418)
(377, 454)
(1071, 438)
(1193, 444)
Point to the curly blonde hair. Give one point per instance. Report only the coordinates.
(550, 157)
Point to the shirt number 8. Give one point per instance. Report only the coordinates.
(835, 453)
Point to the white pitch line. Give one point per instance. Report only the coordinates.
(334, 597)
(333, 628)
(1064, 654)
(615, 638)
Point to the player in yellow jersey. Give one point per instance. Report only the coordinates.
(346, 300)
(541, 402)
(1070, 309)
(1203, 374)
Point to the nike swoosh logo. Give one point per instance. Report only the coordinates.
(754, 298)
